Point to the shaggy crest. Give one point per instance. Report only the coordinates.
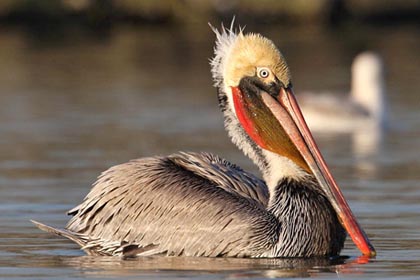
(225, 40)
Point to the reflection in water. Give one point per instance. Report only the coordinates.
(366, 147)
(233, 267)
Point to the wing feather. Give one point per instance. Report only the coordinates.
(185, 204)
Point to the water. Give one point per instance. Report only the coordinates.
(74, 103)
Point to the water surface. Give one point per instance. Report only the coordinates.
(76, 103)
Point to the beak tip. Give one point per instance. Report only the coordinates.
(371, 252)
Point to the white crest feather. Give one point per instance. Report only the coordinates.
(225, 40)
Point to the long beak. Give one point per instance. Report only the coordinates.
(279, 126)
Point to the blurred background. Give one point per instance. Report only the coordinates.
(87, 84)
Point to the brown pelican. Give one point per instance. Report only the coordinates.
(364, 107)
(197, 204)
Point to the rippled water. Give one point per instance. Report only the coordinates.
(75, 103)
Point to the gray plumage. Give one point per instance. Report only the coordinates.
(170, 206)
(173, 205)
(199, 205)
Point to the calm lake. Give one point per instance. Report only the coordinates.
(75, 102)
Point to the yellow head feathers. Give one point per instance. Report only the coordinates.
(238, 55)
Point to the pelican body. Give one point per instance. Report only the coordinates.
(198, 204)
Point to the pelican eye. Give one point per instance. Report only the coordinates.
(263, 72)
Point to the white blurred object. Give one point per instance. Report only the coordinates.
(364, 107)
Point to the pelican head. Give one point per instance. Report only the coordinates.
(264, 120)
